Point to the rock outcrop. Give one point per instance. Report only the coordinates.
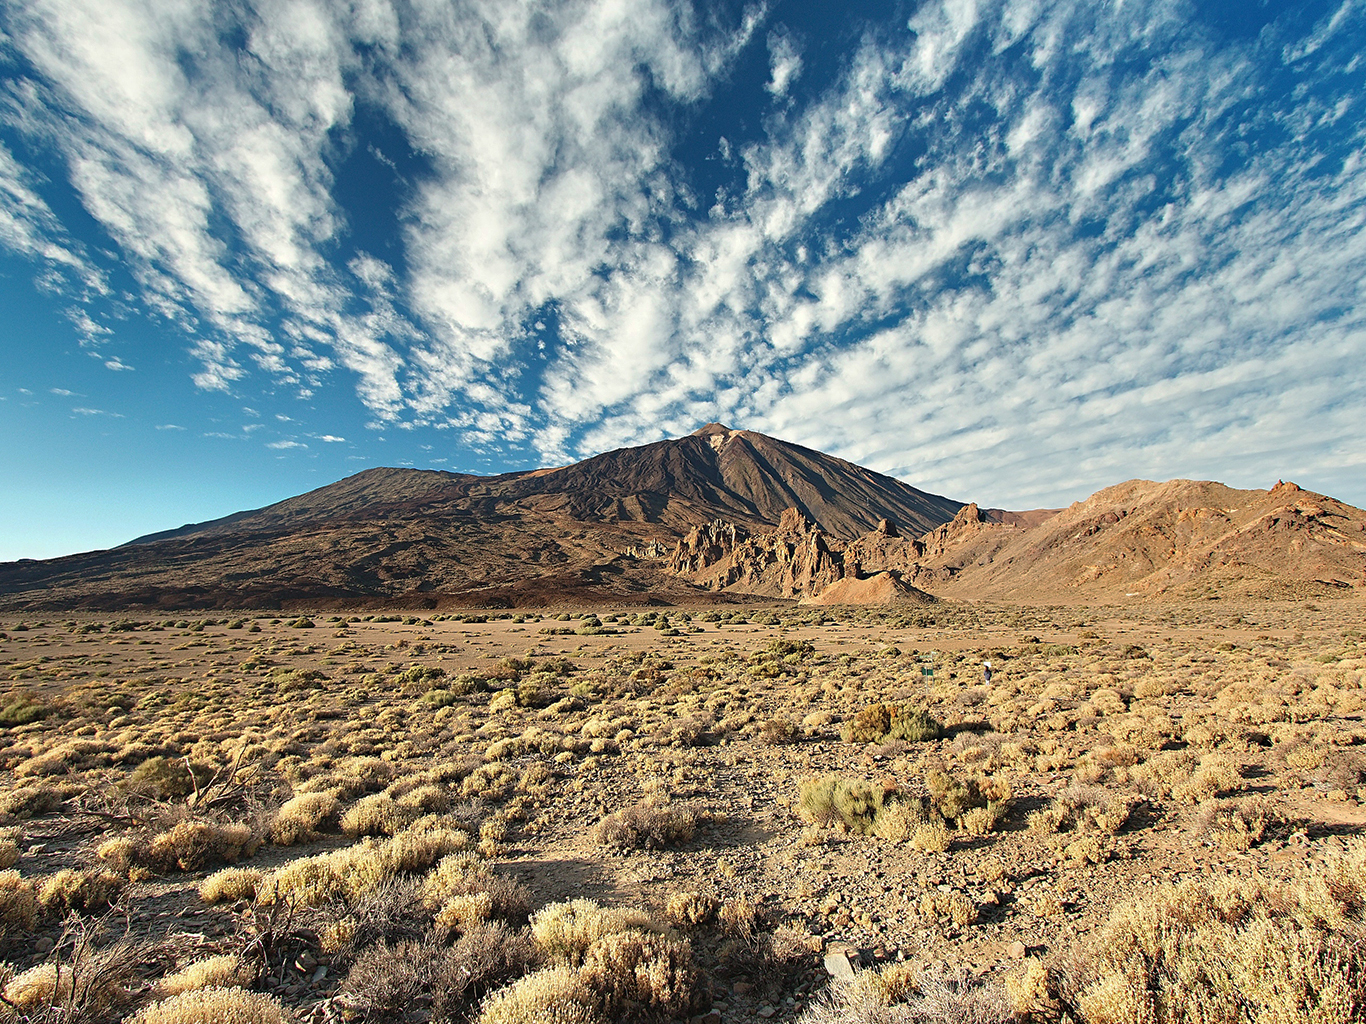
(797, 560)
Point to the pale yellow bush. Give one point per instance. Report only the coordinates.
(553, 996)
(1215, 776)
(564, 931)
(213, 972)
(38, 986)
(690, 909)
(634, 968)
(230, 885)
(300, 818)
(89, 891)
(9, 853)
(1212, 950)
(931, 837)
(376, 815)
(464, 911)
(194, 845)
(351, 872)
(120, 853)
(213, 1006)
(18, 902)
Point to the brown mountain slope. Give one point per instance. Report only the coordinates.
(1182, 538)
(525, 538)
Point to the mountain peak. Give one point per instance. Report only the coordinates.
(713, 428)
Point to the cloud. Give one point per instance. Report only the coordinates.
(785, 62)
(169, 426)
(1007, 249)
(285, 445)
(330, 438)
(116, 364)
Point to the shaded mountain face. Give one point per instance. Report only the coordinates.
(713, 474)
(592, 530)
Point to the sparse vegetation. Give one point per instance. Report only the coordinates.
(432, 796)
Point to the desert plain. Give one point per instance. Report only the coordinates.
(723, 814)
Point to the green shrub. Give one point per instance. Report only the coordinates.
(882, 723)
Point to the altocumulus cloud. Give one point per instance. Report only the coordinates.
(1002, 249)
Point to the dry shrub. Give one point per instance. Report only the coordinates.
(195, 845)
(88, 985)
(9, 853)
(882, 723)
(851, 803)
(349, 873)
(91, 890)
(896, 822)
(778, 732)
(634, 969)
(18, 903)
(463, 886)
(230, 885)
(1216, 776)
(300, 819)
(645, 826)
(165, 778)
(1079, 808)
(691, 909)
(120, 853)
(391, 912)
(896, 996)
(30, 801)
(953, 906)
(1231, 952)
(426, 799)
(213, 1006)
(565, 931)
(214, 972)
(553, 996)
(955, 798)
(486, 954)
(1031, 993)
(931, 836)
(376, 815)
(1159, 774)
(385, 981)
(492, 782)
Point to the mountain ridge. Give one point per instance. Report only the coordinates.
(736, 515)
(393, 534)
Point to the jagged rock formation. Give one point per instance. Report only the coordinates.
(797, 560)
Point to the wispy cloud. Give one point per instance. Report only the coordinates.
(286, 445)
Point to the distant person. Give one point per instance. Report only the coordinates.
(986, 672)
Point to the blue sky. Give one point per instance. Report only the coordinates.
(1010, 252)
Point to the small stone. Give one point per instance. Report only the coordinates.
(765, 1012)
(1017, 950)
(741, 988)
(837, 965)
(44, 945)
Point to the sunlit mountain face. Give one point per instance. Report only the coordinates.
(1011, 252)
